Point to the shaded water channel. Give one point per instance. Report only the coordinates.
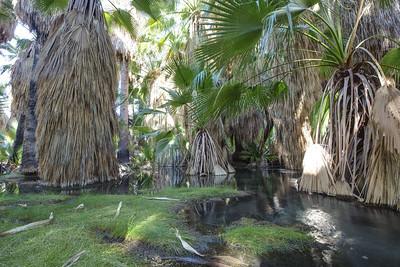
(347, 233)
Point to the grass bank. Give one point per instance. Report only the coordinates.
(109, 241)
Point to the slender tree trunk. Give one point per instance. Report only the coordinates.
(124, 136)
(29, 163)
(19, 138)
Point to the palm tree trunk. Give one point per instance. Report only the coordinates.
(29, 164)
(124, 136)
(19, 138)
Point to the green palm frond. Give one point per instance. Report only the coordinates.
(153, 7)
(50, 6)
(146, 6)
(234, 29)
(233, 99)
(177, 99)
(6, 11)
(122, 19)
(391, 63)
(319, 118)
(386, 3)
(181, 72)
(117, 17)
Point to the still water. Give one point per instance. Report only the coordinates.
(348, 233)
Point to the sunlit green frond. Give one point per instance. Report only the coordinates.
(233, 99)
(293, 8)
(181, 73)
(49, 6)
(122, 19)
(177, 99)
(391, 63)
(234, 29)
(319, 118)
(153, 7)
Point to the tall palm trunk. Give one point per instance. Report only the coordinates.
(124, 136)
(19, 138)
(41, 25)
(29, 164)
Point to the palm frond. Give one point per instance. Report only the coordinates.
(153, 8)
(233, 99)
(234, 29)
(50, 6)
(391, 63)
(122, 19)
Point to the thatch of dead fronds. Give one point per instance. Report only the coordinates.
(247, 126)
(20, 79)
(206, 157)
(7, 21)
(382, 186)
(351, 97)
(124, 46)
(317, 176)
(77, 81)
(290, 116)
(377, 20)
(386, 116)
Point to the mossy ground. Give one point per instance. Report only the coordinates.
(150, 222)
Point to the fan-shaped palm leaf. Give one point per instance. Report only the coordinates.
(234, 29)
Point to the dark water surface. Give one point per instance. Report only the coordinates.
(349, 233)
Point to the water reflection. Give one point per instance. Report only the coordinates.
(176, 177)
(349, 233)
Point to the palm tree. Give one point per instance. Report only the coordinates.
(345, 50)
(382, 186)
(76, 116)
(237, 35)
(123, 47)
(40, 24)
(21, 69)
(7, 20)
(207, 100)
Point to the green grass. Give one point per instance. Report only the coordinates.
(257, 240)
(150, 221)
(8, 199)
